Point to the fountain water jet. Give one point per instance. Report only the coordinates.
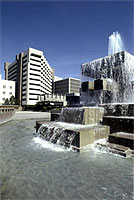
(115, 43)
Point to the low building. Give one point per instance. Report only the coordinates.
(66, 86)
(7, 89)
(52, 99)
(69, 87)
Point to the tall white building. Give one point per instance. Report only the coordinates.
(7, 89)
(32, 74)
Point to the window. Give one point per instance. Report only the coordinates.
(10, 87)
(35, 55)
(10, 93)
(4, 92)
(4, 86)
(3, 99)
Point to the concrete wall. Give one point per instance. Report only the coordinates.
(6, 114)
(90, 136)
(82, 115)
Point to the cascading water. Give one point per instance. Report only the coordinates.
(118, 67)
(56, 135)
(115, 43)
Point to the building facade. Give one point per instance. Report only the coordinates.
(32, 74)
(53, 99)
(67, 86)
(7, 89)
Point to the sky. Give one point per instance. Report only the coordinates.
(69, 33)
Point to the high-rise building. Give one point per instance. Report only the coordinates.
(32, 74)
(7, 89)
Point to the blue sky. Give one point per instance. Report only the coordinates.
(69, 33)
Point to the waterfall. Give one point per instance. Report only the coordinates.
(56, 135)
(115, 43)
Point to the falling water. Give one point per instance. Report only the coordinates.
(115, 43)
(56, 135)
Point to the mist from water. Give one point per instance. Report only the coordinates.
(115, 43)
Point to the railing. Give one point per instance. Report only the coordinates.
(5, 110)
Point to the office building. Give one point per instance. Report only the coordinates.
(32, 74)
(67, 86)
(7, 89)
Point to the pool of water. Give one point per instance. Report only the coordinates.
(31, 170)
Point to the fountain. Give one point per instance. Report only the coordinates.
(109, 82)
(76, 128)
(107, 87)
(109, 79)
(115, 43)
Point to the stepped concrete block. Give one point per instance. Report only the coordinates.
(88, 136)
(115, 148)
(121, 138)
(89, 116)
(124, 109)
(99, 115)
(84, 134)
(82, 115)
(102, 132)
(119, 123)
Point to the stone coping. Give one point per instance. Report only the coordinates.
(25, 112)
(104, 104)
(73, 127)
(119, 117)
(115, 146)
(123, 135)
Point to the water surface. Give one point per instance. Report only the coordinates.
(31, 172)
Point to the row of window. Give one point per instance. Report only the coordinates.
(24, 57)
(37, 70)
(11, 67)
(47, 89)
(35, 60)
(35, 55)
(24, 99)
(12, 76)
(10, 93)
(10, 87)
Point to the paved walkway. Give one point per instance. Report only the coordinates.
(31, 115)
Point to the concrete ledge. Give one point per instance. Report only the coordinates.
(6, 114)
(118, 109)
(124, 139)
(119, 124)
(82, 115)
(31, 115)
(115, 148)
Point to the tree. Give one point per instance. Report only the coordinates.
(12, 100)
(17, 102)
(6, 102)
